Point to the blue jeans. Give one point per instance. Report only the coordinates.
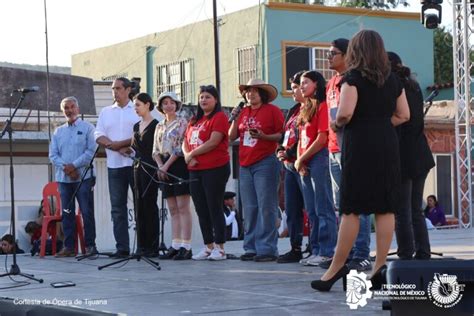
(258, 189)
(119, 181)
(85, 198)
(318, 167)
(294, 204)
(361, 247)
(307, 192)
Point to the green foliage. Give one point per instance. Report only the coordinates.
(373, 4)
(443, 56)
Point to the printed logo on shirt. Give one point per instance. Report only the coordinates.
(195, 140)
(331, 98)
(304, 139)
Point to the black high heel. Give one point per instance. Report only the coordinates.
(379, 278)
(325, 286)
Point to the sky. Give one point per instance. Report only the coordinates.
(76, 26)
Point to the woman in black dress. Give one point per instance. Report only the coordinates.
(416, 161)
(372, 103)
(146, 189)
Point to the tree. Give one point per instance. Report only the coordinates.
(443, 56)
(373, 4)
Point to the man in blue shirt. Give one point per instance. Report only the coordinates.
(71, 150)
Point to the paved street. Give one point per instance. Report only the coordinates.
(231, 287)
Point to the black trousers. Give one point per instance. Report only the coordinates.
(207, 192)
(146, 209)
(410, 225)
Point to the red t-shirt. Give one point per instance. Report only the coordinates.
(309, 132)
(289, 136)
(332, 98)
(200, 133)
(269, 119)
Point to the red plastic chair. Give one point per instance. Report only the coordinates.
(52, 214)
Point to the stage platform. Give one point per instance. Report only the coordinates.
(229, 287)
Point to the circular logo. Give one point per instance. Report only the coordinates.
(444, 290)
(358, 289)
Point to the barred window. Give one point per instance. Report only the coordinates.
(297, 56)
(177, 77)
(246, 64)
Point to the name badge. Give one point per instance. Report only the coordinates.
(248, 140)
(194, 137)
(285, 139)
(304, 139)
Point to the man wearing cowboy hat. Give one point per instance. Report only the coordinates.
(259, 126)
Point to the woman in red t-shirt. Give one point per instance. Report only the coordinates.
(295, 201)
(313, 160)
(259, 126)
(206, 153)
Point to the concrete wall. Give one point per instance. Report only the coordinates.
(239, 29)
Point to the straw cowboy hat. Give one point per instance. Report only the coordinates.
(258, 83)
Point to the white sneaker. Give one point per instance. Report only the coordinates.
(203, 254)
(317, 261)
(217, 254)
(304, 260)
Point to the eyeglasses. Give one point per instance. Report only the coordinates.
(332, 53)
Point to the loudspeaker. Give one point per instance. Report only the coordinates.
(448, 287)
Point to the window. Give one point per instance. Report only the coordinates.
(297, 56)
(445, 182)
(177, 77)
(246, 64)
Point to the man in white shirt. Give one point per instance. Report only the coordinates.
(114, 131)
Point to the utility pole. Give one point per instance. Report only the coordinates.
(216, 46)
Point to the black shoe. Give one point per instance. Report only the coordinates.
(183, 254)
(379, 278)
(248, 256)
(169, 254)
(120, 254)
(264, 258)
(359, 265)
(325, 286)
(291, 256)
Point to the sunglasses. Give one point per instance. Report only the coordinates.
(332, 53)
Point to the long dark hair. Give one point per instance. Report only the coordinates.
(402, 71)
(308, 110)
(200, 113)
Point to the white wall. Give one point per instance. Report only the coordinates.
(31, 174)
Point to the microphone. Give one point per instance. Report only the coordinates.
(26, 90)
(433, 95)
(234, 115)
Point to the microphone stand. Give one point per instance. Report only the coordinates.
(163, 211)
(430, 99)
(15, 269)
(139, 163)
(135, 256)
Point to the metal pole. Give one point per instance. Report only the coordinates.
(50, 167)
(216, 47)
